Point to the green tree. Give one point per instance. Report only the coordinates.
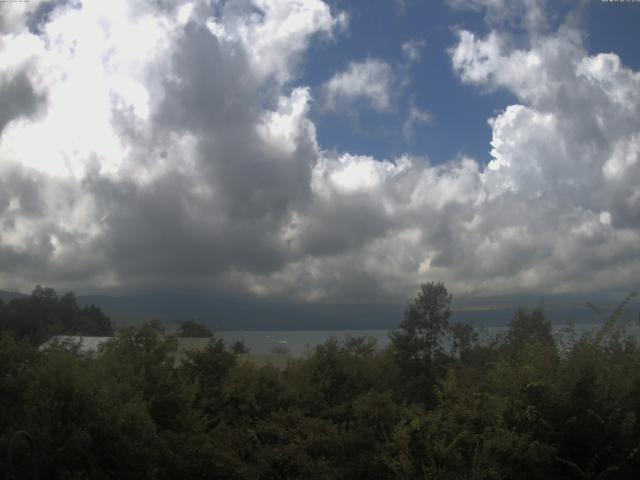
(209, 369)
(43, 314)
(191, 328)
(527, 327)
(417, 344)
(87, 423)
(239, 347)
(424, 325)
(464, 339)
(18, 363)
(144, 358)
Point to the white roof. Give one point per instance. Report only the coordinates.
(86, 345)
(91, 345)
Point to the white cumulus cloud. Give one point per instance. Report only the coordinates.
(370, 81)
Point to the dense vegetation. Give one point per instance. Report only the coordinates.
(436, 404)
(42, 314)
(193, 329)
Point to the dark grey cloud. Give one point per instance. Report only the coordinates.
(208, 90)
(214, 97)
(342, 224)
(17, 98)
(40, 16)
(20, 188)
(226, 212)
(167, 228)
(26, 228)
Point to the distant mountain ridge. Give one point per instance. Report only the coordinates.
(225, 314)
(7, 296)
(249, 314)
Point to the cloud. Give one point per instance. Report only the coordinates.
(415, 116)
(187, 158)
(575, 121)
(402, 5)
(174, 172)
(17, 99)
(412, 49)
(370, 81)
(275, 38)
(529, 15)
(15, 16)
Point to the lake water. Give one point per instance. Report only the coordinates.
(298, 342)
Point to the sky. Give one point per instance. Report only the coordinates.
(320, 151)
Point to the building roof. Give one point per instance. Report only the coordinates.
(90, 345)
(85, 345)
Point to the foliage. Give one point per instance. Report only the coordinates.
(191, 328)
(43, 314)
(239, 347)
(417, 344)
(437, 403)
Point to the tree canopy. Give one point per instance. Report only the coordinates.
(522, 404)
(43, 314)
(191, 328)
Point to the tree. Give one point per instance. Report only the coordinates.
(417, 344)
(18, 362)
(44, 314)
(425, 323)
(239, 347)
(87, 423)
(191, 328)
(464, 338)
(528, 327)
(209, 368)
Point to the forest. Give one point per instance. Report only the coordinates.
(438, 403)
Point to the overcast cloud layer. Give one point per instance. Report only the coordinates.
(157, 145)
